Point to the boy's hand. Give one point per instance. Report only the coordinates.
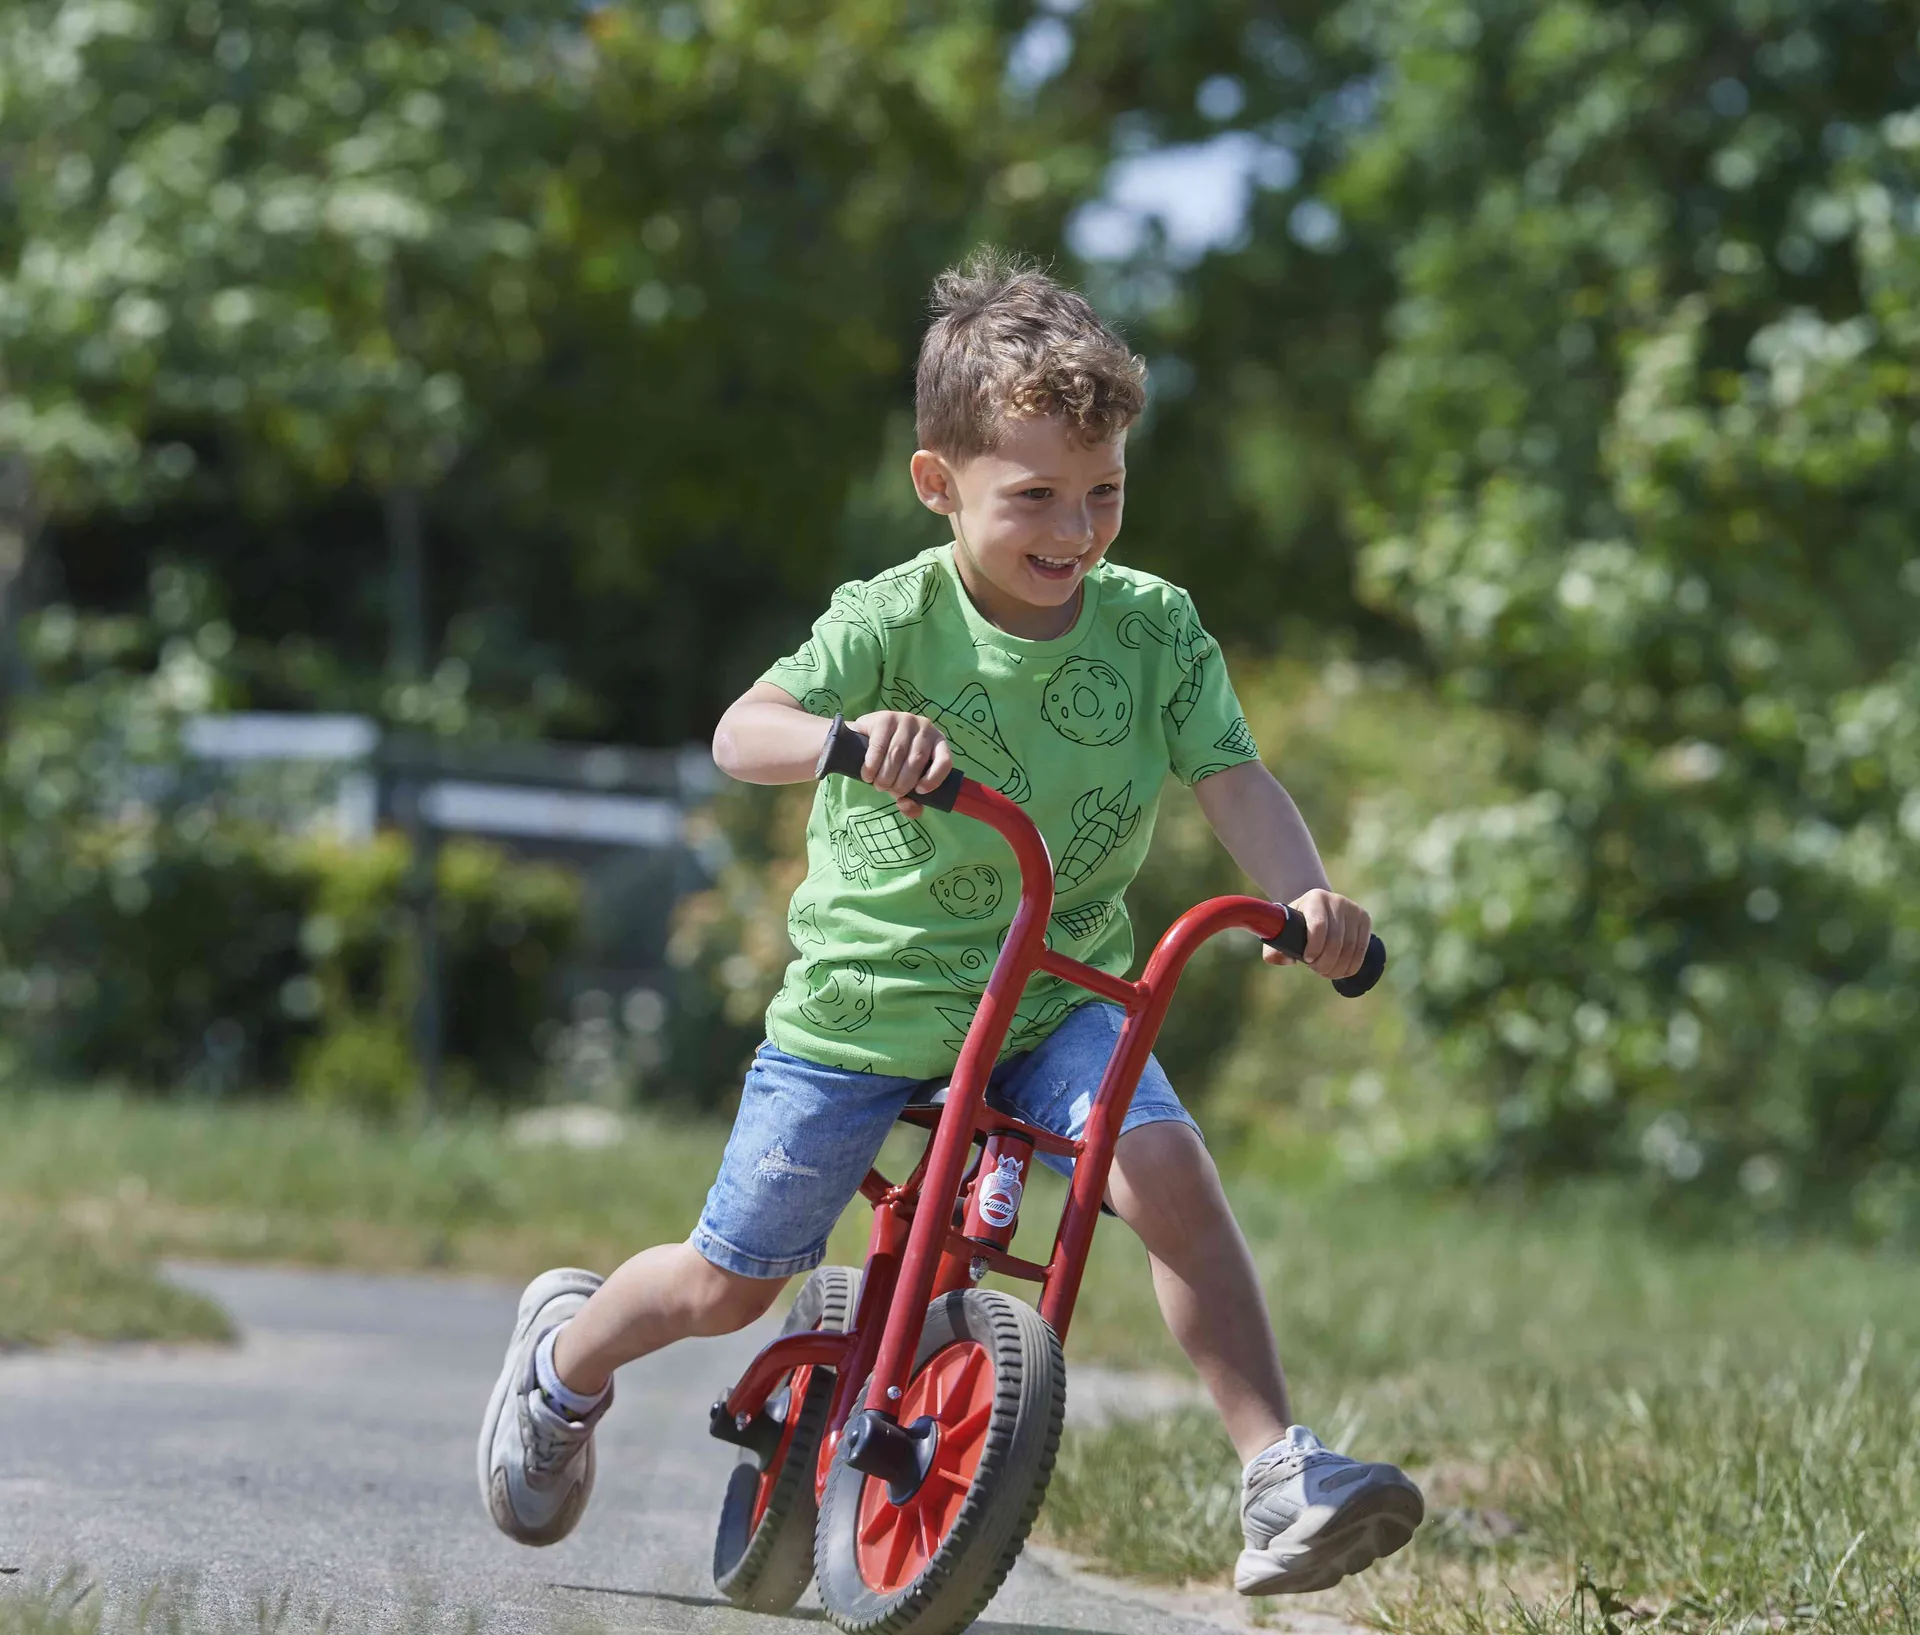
(1337, 932)
(907, 755)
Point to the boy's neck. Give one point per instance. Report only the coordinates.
(1028, 620)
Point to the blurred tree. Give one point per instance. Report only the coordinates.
(627, 294)
(262, 251)
(1261, 339)
(1646, 478)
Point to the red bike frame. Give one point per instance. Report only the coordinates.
(916, 1253)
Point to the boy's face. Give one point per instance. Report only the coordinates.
(1031, 517)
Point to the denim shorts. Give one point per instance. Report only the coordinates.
(806, 1135)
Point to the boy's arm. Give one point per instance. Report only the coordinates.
(766, 737)
(1260, 826)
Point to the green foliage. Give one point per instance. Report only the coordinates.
(161, 934)
(1646, 414)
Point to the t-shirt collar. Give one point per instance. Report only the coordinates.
(984, 630)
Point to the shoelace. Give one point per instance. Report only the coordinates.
(552, 1438)
(1289, 1463)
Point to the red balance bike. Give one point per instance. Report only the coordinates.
(898, 1436)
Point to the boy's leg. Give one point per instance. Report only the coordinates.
(1164, 1185)
(1310, 1516)
(801, 1143)
(667, 1293)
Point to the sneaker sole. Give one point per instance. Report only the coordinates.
(544, 1289)
(1374, 1526)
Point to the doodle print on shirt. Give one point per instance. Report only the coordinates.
(969, 975)
(1237, 739)
(841, 1001)
(1087, 701)
(972, 733)
(1085, 922)
(970, 892)
(1191, 645)
(892, 601)
(822, 701)
(890, 839)
(1027, 1031)
(1101, 822)
(803, 927)
(850, 857)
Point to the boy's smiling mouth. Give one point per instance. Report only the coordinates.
(1053, 567)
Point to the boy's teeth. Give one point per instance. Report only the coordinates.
(1056, 561)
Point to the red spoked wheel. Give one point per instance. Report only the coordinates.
(955, 1391)
(990, 1378)
(763, 1547)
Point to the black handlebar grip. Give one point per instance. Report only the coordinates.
(1293, 940)
(1372, 968)
(845, 752)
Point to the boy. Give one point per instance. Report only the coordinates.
(1072, 686)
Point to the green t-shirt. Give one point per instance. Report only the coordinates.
(899, 920)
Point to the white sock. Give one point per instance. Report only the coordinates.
(554, 1389)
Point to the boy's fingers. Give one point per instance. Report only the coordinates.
(1315, 914)
(896, 761)
(939, 764)
(878, 737)
(909, 807)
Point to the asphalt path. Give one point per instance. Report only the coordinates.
(327, 1462)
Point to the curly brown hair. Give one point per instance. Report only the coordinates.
(1007, 341)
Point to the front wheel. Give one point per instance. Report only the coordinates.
(763, 1549)
(990, 1376)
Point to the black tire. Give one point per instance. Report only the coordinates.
(767, 1568)
(984, 1538)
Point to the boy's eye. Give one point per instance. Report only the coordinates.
(1036, 493)
(1105, 489)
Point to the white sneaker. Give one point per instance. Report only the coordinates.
(1313, 1516)
(536, 1463)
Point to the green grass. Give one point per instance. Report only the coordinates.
(1614, 1431)
(281, 1182)
(60, 1284)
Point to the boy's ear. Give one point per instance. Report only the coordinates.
(933, 482)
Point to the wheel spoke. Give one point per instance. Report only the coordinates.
(952, 1478)
(937, 1391)
(877, 1525)
(897, 1549)
(972, 1425)
(962, 1381)
(929, 1536)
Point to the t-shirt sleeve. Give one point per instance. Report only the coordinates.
(1207, 731)
(837, 668)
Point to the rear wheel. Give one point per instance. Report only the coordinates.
(763, 1549)
(990, 1378)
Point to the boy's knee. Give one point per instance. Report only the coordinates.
(1163, 1153)
(1162, 1168)
(728, 1301)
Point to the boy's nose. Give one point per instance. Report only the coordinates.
(1075, 530)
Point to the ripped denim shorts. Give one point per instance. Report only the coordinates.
(806, 1135)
